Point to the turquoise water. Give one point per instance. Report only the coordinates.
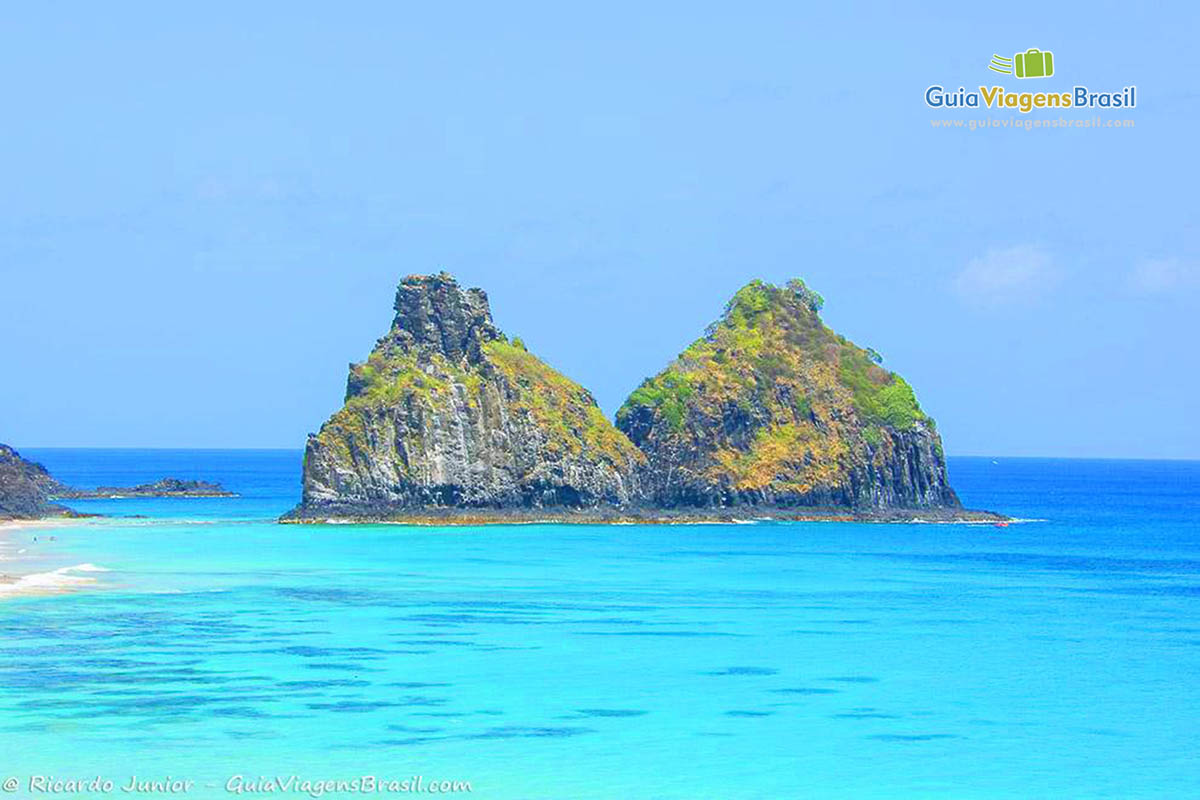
(1054, 658)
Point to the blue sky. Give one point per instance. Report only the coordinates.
(205, 212)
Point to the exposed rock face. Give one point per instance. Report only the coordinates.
(25, 487)
(448, 412)
(772, 408)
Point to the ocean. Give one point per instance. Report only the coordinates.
(1058, 657)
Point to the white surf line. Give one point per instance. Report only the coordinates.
(63, 579)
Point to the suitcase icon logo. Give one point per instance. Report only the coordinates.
(1033, 63)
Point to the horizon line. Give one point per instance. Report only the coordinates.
(163, 448)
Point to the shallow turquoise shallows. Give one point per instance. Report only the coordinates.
(1056, 658)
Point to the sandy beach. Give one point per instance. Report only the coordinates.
(15, 554)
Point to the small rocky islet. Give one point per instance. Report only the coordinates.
(769, 414)
(165, 487)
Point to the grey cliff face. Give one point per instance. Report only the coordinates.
(907, 470)
(904, 470)
(447, 413)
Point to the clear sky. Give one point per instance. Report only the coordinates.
(205, 212)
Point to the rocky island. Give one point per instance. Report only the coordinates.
(166, 487)
(769, 415)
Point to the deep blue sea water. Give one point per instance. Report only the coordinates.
(1058, 658)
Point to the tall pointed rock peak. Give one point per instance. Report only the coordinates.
(434, 313)
(447, 412)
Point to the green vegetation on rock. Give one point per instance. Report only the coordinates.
(668, 395)
(561, 407)
(879, 396)
(771, 404)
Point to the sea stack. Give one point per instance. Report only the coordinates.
(449, 413)
(772, 409)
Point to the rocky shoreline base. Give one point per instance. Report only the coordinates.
(624, 516)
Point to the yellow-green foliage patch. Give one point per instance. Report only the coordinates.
(792, 458)
(388, 380)
(562, 408)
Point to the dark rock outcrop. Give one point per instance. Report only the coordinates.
(166, 487)
(447, 412)
(25, 488)
(773, 409)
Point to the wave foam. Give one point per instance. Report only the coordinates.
(63, 579)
